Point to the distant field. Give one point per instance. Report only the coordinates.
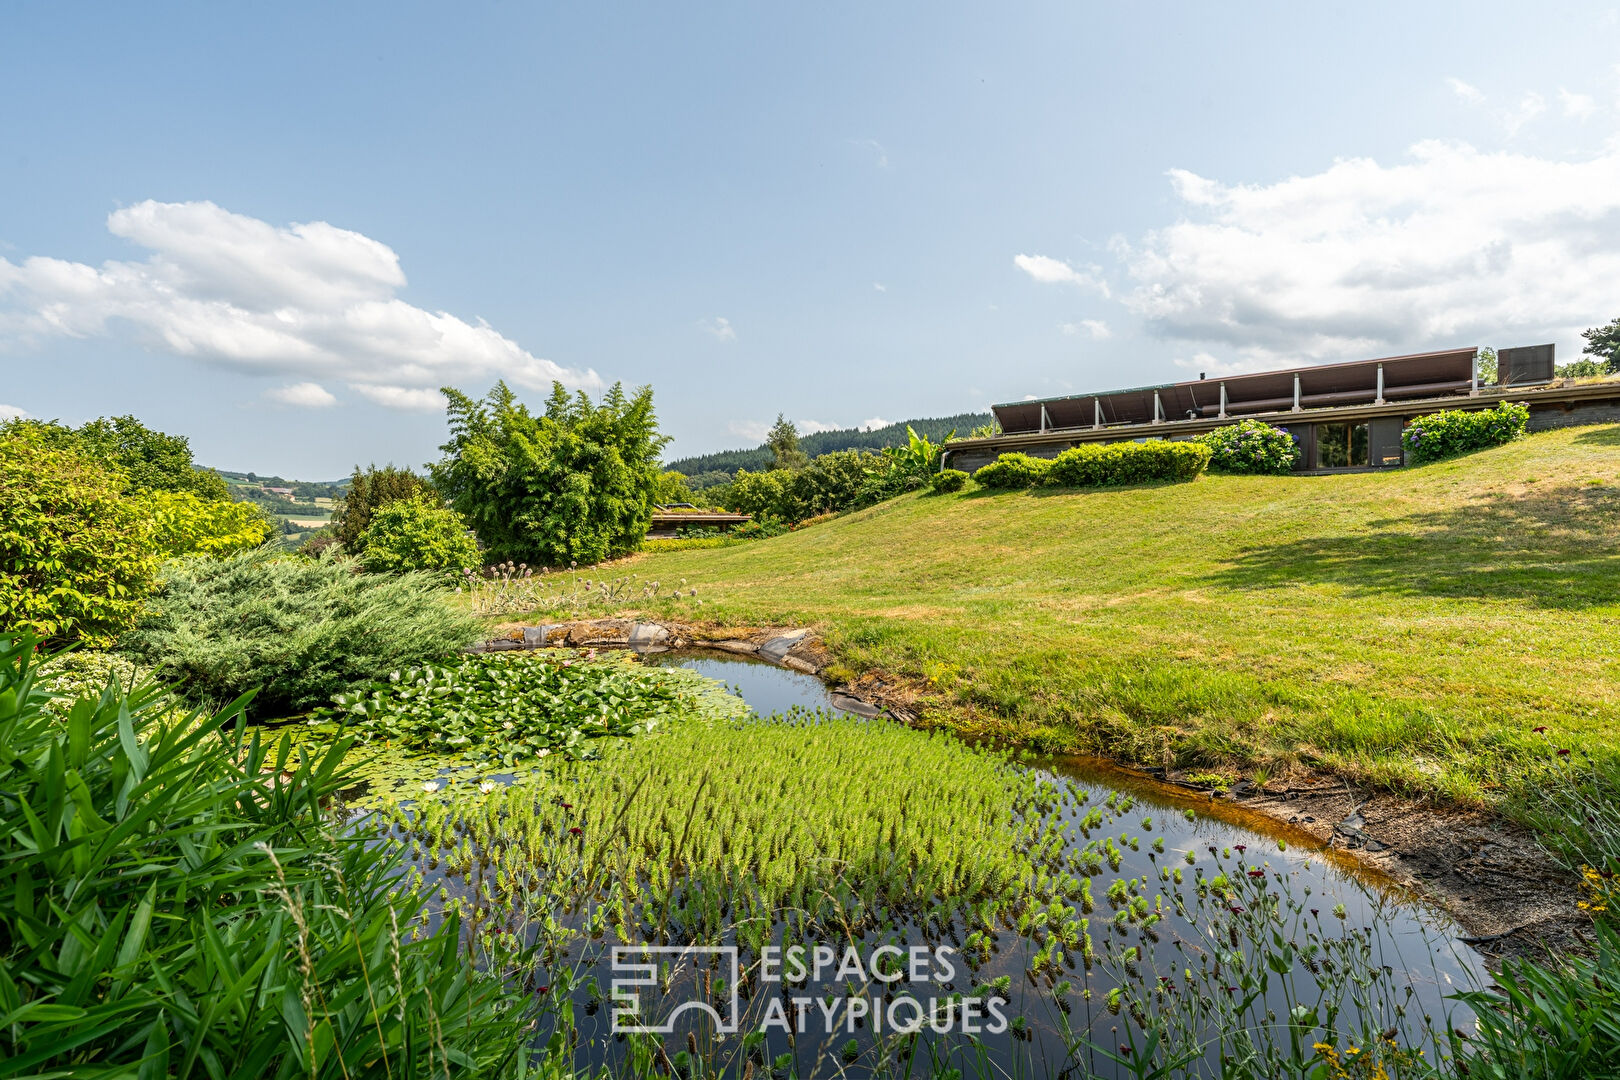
(1408, 627)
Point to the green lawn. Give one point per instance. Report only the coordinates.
(1408, 627)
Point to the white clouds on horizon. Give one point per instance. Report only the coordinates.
(11, 412)
(304, 395)
(1453, 246)
(307, 299)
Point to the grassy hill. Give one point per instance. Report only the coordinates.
(1409, 627)
(825, 442)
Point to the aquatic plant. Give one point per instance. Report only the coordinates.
(509, 708)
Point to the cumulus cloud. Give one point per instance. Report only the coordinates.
(11, 412)
(306, 395)
(308, 300)
(719, 327)
(810, 427)
(875, 423)
(1050, 271)
(1449, 247)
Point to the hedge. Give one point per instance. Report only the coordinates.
(1454, 431)
(1013, 471)
(1100, 464)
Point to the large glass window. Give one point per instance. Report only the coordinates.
(1341, 446)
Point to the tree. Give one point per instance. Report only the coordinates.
(369, 491)
(76, 556)
(784, 444)
(150, 460)
(1603, 343)
(573, 484)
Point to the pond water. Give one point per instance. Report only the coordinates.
(1220, 921)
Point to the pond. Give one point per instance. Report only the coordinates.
(1147, 903)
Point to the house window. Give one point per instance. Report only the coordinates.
(1341, 446)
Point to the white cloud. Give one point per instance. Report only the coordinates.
(1579, 106)
(878, 286)
(875, 423)
(1095, 327)
(307, 300)
(718, 326)
(11, 412)
(1050, 271)
(810, 427)
(1530, 106)
(1450, 247)
(1467, 92)
(412, 399)
(305, 395)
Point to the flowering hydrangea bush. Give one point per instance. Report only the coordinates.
(1251, 446)
(1454, 431)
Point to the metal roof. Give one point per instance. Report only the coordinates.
(1418, 375)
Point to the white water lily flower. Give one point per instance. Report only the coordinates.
(541, 753)
(487, 786)
(431, 786)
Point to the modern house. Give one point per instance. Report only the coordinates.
(1344, 416)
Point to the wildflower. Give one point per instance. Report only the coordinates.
(544, 989)
(575, 830)
(1563, 753)
(1236, 910)
(1241, 848)
(1257, 873)
(1538, 730)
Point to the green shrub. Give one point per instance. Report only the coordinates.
(185, 524)
(1456, 431)
(1253, 447)
(948, 480)
(178, 905)
(574, 484)
(1013, 471)
(1106, 464)
(296, 630)
(763, 527)
(369, 491)
(417, 534)
(76, 556)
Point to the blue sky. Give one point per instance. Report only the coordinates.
(277, 228)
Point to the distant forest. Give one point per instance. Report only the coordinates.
(706, 470)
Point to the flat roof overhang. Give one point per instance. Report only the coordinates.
(1418, 375)
(1487, 398)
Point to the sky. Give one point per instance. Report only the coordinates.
(278, 229)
